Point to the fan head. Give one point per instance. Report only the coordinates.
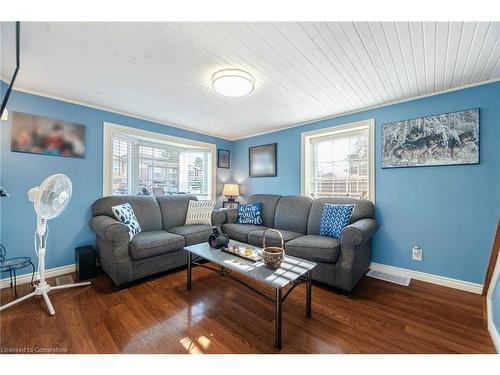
(52, 196)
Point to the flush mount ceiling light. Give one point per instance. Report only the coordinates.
(233, 82)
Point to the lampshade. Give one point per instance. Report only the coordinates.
(231, 190)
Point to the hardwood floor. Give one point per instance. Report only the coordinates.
(220, 316)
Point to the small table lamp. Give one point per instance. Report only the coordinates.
(231, 190)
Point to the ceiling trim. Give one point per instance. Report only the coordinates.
(372, 108)
(458, 88)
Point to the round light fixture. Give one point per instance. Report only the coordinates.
(233, 82)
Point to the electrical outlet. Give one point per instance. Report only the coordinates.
(416, 253)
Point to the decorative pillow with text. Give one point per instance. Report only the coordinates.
(250, 213)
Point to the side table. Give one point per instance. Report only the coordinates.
(11, 265)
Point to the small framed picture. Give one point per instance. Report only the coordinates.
(223, 159)
(230, 205)
(262, 160)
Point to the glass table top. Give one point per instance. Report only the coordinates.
(291, 268)
(17, 262)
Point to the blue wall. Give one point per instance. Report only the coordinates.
(450, 211)
(20, 172)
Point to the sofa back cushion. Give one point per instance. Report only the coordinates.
(145, 207)
(292, 213)
(363, 209)
(269, 203)
(174, 208)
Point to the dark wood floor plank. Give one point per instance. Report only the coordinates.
(220, 316)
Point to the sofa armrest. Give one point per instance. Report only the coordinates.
(358, 232)
(231, 215)
(109, 229)
(218, 218)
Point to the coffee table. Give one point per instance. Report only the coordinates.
(293, 271)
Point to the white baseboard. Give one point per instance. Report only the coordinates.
(495, 283)
(26, 278)
(430, 278)
(495, 337)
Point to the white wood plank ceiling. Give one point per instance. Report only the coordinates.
(303, 71)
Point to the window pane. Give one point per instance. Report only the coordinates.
(146, 167)
(340, 165)
(340, 148)
(120, 167)
(197, 174)
(158, 170)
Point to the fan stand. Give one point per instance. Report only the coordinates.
(43, 288)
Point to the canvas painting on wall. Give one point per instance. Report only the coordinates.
(41, 135)
(223, 159)
(262, 160)
(446, 139)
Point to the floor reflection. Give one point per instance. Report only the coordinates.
(184, 322)
(196, 346)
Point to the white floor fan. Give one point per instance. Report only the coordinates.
(49, 200)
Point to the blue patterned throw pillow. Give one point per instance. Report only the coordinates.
(250, 213)
(126, 215)
(335, 218)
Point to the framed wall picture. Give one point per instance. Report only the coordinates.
(46, 136)
(262, 160)
(223, 159)
(230, 205)
(445, 139)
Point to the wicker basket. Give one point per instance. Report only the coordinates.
(272, 256)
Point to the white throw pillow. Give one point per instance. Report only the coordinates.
(126, 215)
(199, 212)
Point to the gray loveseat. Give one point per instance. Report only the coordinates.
(341, 262)
(158, 248)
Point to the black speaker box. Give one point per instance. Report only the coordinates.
(86, 262)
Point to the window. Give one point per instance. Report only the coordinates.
(142, 162)
(339, 161)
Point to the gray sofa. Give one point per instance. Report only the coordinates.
(158, 248)
(341, 262)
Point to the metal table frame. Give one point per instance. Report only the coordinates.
(278, 299)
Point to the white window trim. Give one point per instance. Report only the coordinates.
(107, 161)
(305, 151)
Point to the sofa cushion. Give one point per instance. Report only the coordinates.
(125, 214)
(193, 234)
(149, 244)
(269, 203)
(315, 248)
(335, 218)
(174, 208)
(272, 239)
(292, 213)
(145, 207)
(239, 232)
(199, 212)
(363, 209)
(250, 213)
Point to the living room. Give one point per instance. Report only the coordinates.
(339, 176)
